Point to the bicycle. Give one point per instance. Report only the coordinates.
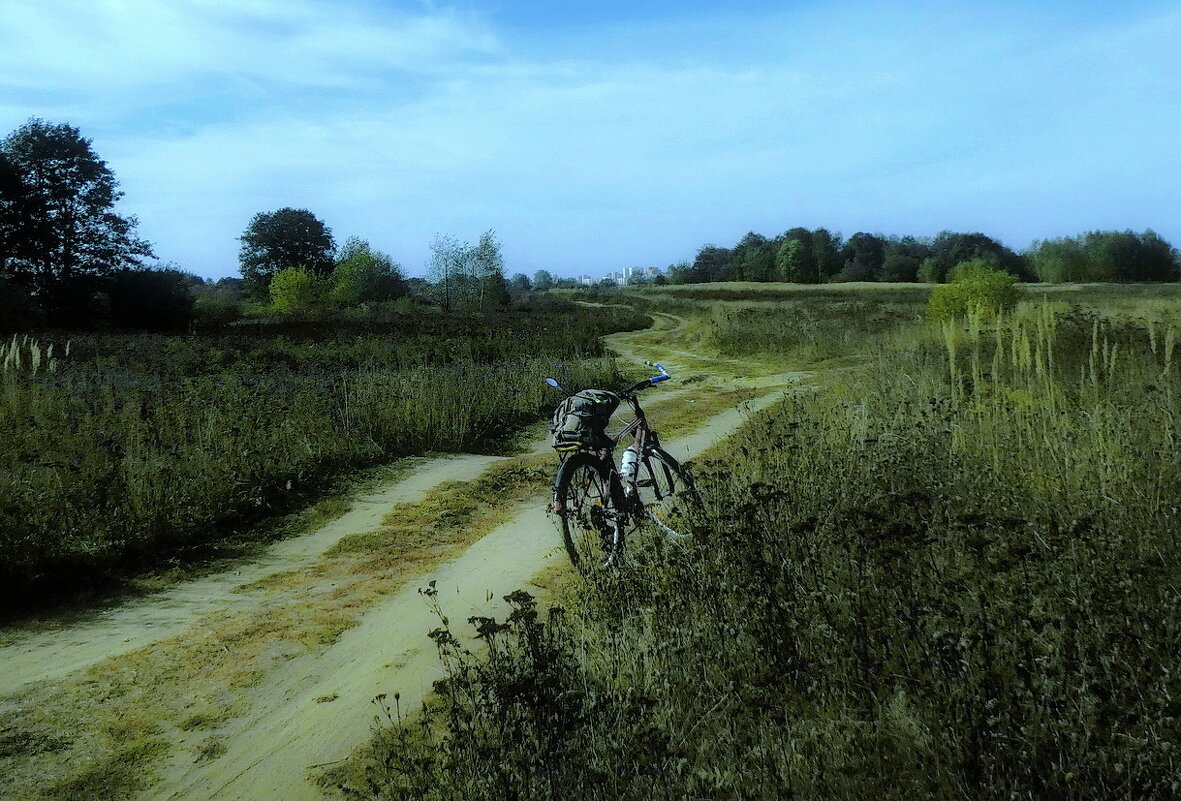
(598, 505)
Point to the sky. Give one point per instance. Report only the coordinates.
(595, 135)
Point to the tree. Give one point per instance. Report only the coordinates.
(712, 263)
(794, 260)
(155, 300)
(543, 280)
(753, 259)
(363, 274)
(1127, 256)
(281, 240)
(863, 254)
(18, 218)
(448, 265)
(1061, 260)
(487, 266)
(57, 219)
(826, 252)
(903, 258)
(1104, 256)
(520, 284)
(949, 249)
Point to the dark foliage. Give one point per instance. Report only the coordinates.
(57, 219)
(282, 239)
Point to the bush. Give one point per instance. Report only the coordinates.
(151, 300)
(296, 292)
(366, 276)
(974, 286)
(18, 310)
(216, 309)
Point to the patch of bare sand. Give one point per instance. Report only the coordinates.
(50, 649)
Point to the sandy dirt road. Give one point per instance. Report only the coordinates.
(302, 708)
(49, 649)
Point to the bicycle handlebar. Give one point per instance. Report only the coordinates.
(647, 382)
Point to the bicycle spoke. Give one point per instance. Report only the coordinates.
(588, 522)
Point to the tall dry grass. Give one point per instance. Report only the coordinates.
(950, 574)
(118, 449)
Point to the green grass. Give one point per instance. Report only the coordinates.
(948, 574)
(121, 450)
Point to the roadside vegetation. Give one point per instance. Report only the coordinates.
(144, 411)
(948, 572)
(123, 447)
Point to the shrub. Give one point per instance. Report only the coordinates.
(973, 287)
(296, 292)
(18, 310)
(366, 276)
(216, 309)
(152, 300)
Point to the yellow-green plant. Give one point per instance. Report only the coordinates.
(296, 292)
(973, 286)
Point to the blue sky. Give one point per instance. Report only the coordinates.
(596, 135)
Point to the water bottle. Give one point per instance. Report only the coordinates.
(628, 467)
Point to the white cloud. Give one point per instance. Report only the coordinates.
(115, 46)
(396, 127)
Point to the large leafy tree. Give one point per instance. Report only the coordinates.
(57, 218)
(795, 260)
(18, 217)
(281, 240)
(1105, 256)
(754, 258)
(1128, 256)
(826, 251)
(712, 263)
(863, 254)
(949, 249)
(903, 258)
(363, 273)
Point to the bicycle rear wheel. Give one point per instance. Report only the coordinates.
(588, 499)
(666, 491)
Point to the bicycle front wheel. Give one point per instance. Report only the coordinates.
(588, 500)
(666, 491)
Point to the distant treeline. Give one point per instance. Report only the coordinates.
(68, 260)
(816, 256)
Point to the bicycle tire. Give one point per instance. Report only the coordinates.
(588, 499)
(665, 489)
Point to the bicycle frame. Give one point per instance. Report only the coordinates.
(638, 428)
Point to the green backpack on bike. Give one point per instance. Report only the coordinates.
(580, 421)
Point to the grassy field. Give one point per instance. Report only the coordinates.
(947, 573)
(121, 449)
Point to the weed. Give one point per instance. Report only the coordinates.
(948, 574)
